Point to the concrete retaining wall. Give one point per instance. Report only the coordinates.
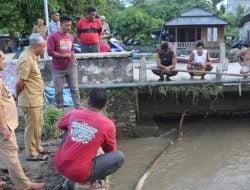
(122, 110)
(231, 102)
(105, 68)
(97, 68)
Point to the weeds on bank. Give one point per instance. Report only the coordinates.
(51, 116)
(207, 92)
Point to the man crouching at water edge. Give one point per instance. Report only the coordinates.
(8, 146)
(244, 61)
(166, 61)
(87, 130)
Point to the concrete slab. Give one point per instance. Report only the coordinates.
(232, 68)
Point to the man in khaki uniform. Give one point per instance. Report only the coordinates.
(8, 145)
(40, 27)
(29, 92)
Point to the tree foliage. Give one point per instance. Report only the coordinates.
(132, 21)
(145, 15)
(234, 21)
(215, 3)
(21, 15)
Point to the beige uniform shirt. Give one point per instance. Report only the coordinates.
(9, 106)
(28, 70)
(38, 29)
(105, 33)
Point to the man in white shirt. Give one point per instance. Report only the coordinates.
(200, 60)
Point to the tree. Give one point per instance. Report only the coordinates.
(133, 21)
(234, 21)
(20, 15)
(168, 9)
(215, 3)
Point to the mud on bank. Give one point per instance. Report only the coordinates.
(39, 171)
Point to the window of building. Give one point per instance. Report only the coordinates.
(212, 34)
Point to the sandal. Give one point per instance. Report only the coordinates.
(86, 185)
(161, 79)
(39, 157)
(34, 186)
(168, 79)
(98, 184)
(45, 152)
(2, 183)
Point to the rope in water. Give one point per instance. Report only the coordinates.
(141, 182)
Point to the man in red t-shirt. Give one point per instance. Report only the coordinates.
(87, 130)
(60, 46)
(89, 31)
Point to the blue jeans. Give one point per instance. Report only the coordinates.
(71, 75)
(90, 48)
(106, 164)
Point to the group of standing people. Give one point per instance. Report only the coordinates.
(86, 129)
(92, 30)
(60, 46)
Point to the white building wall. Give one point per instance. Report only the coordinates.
(232, 5)
(244, 31)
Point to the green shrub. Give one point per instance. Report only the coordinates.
(51, 116)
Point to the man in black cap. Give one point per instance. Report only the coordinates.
(54, 24)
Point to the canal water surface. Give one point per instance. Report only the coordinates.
(214, 154)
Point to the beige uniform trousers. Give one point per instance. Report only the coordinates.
(33, 130)
(9, 158)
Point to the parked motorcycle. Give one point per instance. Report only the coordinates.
(77, 48)
(240, 44)
(114, 44)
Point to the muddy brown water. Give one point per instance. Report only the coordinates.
(214, 154)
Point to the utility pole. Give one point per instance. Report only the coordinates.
(46, 12)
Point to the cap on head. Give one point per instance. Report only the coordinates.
(53, 12)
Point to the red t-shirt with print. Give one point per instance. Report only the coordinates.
(87, 131)
(61, 43)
